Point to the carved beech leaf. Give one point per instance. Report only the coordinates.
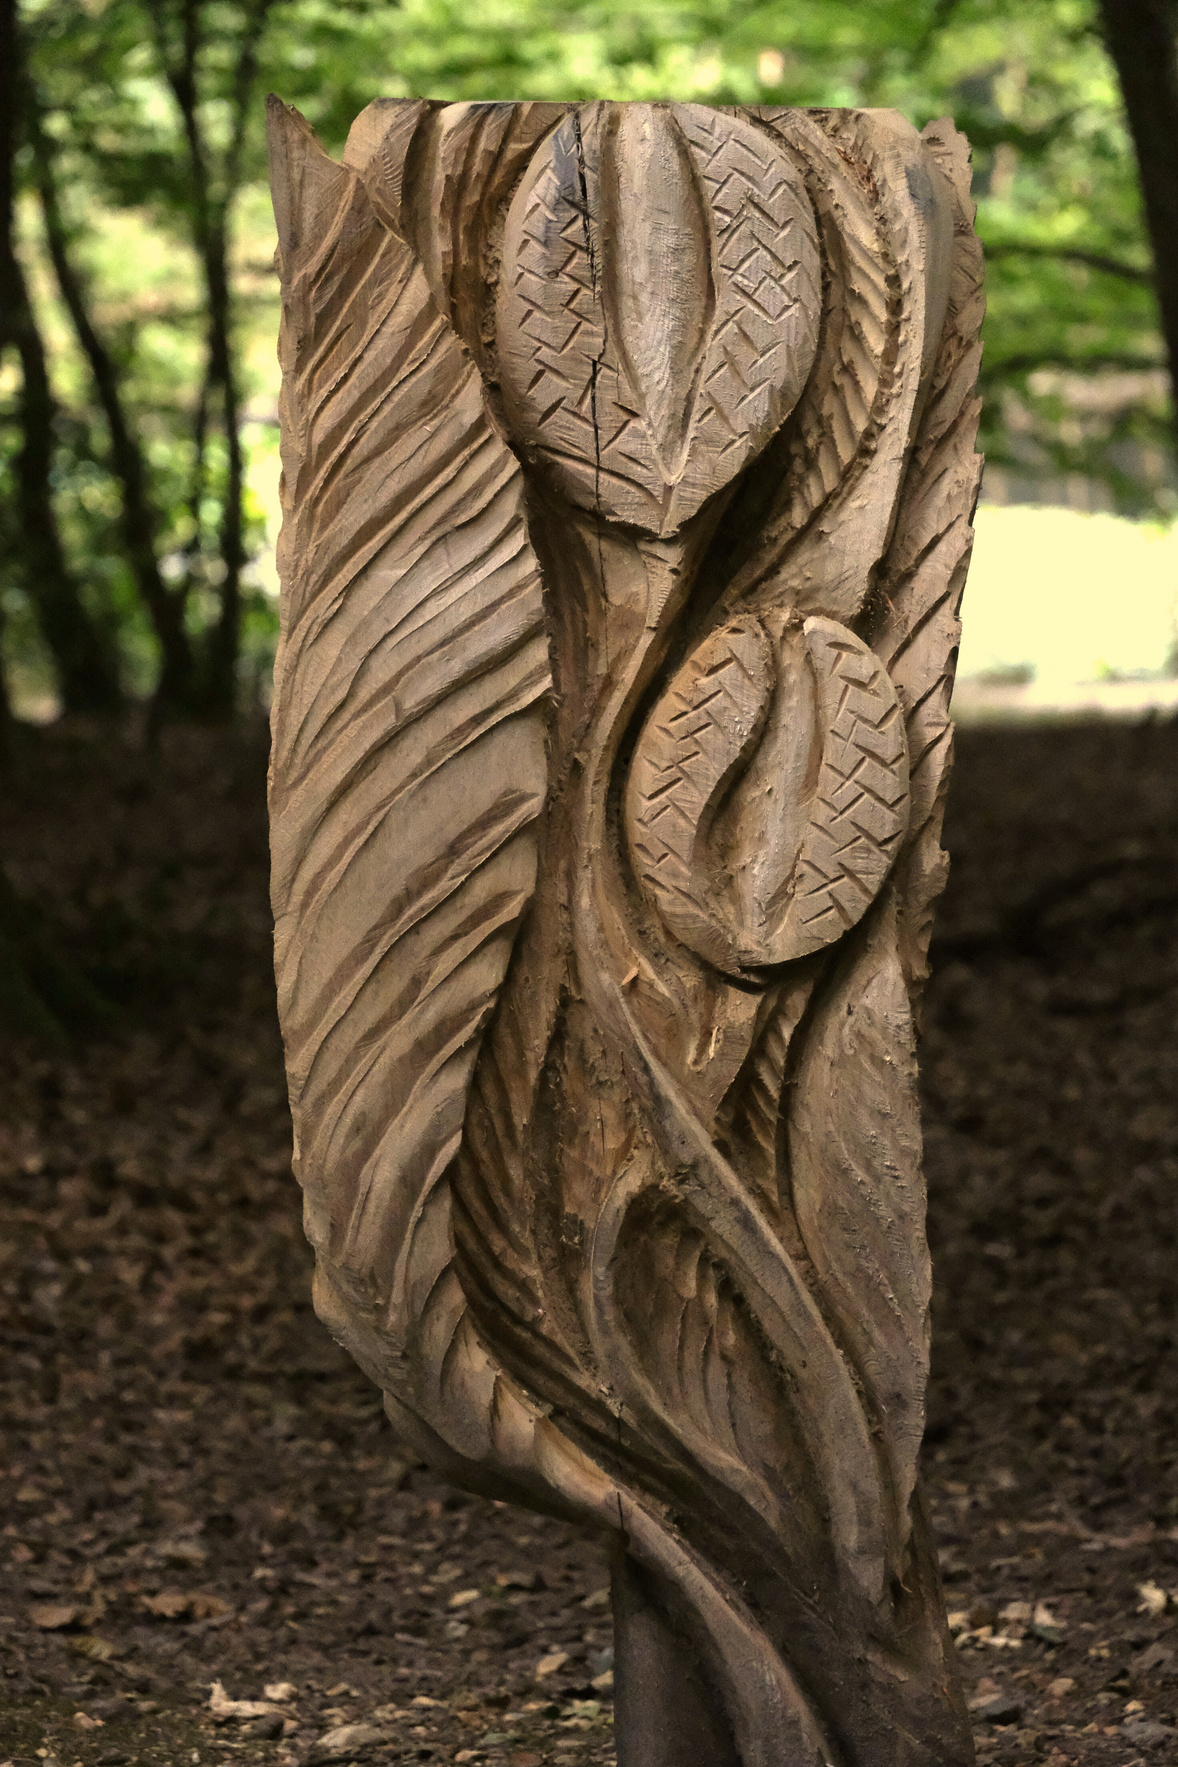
(695, 742)
(826, 498)
(377, 148)
(645, 388)
(694, 1338)
(408, 763)
(923, 574)
(858, 1192)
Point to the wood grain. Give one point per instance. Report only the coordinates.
(628, 473)
(408, 763)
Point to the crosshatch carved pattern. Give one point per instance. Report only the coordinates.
(628, 472)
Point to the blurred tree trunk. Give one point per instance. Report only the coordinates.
(84, 658)
(1142, 39)
(140, 522)
(5, 704)
(214, 188)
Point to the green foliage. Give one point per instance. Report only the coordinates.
(1073, 376)
(1028, 81)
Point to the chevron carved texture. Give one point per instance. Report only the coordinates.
(628, 474)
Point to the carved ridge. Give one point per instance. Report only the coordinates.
(607, 778)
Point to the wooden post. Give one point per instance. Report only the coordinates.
(628, 475)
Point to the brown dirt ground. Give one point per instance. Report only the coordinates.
(198, 1486)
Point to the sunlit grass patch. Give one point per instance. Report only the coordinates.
(1068, 611)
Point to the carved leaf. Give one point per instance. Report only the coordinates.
(692, 1334)
(642, 395)
(923, 574)
(698, 737)
(408, 765)
(377, 149)
(858, 1192)
(824, 506)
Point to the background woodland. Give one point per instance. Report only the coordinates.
(159, 1348)
(138, 382)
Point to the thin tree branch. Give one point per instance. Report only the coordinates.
(1142, 38)
(140, 520)
(998, 368)
(84, 659)
(226, 639)
(1071, 255)
(211, 228)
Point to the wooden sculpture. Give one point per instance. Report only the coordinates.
(628, 474)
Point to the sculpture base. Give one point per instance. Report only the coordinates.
(666, 1712)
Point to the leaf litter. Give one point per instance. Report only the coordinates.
(205, 1484)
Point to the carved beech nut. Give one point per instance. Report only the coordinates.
(693, 745)
(859, 811)
(658, 305)
(688, 770)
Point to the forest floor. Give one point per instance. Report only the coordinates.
(199, 1489)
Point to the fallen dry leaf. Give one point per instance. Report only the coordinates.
(181, 1552)
(551, 1663)
(52, 1616)
(98, 1650)
(530, 1580)
(169, 1604)
(348, 1737)
(223, 1708)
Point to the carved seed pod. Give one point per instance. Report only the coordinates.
(818, 821)
(658, 305)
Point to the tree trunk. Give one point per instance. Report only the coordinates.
(225, 638)
(629, 468)
(140, 523)
(83, 655)
(1142, 39)
(214, 190)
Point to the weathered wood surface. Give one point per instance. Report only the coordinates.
(628, 474)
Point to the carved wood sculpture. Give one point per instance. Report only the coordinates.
(628, 474)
